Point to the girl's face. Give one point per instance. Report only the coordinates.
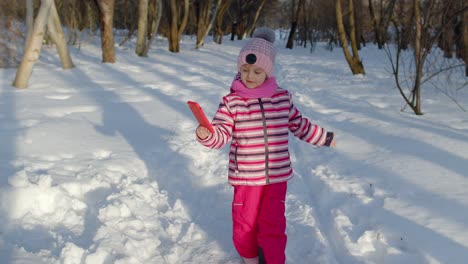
(252, 76)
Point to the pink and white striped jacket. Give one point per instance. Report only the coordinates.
(259, 130)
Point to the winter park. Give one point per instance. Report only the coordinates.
(100, 162)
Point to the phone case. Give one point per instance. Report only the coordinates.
(200, 115)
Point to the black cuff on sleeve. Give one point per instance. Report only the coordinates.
(329, 138)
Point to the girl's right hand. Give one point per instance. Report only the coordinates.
(202, 132)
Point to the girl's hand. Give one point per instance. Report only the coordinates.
(203, 132)
(330, 140)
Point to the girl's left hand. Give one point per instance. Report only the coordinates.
(333, 143)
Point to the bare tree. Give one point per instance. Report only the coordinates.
(142, 27)
(296, 18)
(47, 16)
(353, 60)
(29, 19)
(55, 31)
(465, 40)
(155, 11)
(177, 23)
(415, 99)
(247, 12)
(359, 18)
(203, 8)
(428, 62)
(219, 26)
(8, 36)
(73, 18)
(11, 33)
(106, 8)
(251, 29)
(381, 20)
(447, 37)
(205, 23)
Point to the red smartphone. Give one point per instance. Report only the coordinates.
(200, 115)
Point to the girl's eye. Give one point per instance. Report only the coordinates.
(258, 72)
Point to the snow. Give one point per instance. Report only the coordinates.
(99, 164)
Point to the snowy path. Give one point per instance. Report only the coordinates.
(99, 164)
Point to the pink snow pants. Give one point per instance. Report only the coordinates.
(259, 221)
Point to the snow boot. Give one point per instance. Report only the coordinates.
(261, 258)
(250, 260)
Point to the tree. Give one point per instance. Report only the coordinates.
(359, 18)
(177, 23)
(47, 16)
(353, 60)
(251, 29)
(381, 21)
(106, 9)
(142, 27)
(155, 11)
(415, 99)
(427, 62)
(29, 19)
(447, 37)
(219, 27)
(296, 18)
(247, 12)
(55, 31)
(465, 39)
(204, 22)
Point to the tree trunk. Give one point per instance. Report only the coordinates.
(218, 25)
(212, 21)
(154, 27)
(176, 31)
(381, 23)
(142, 27)
(447, 36)
(251, 29)
(33, 47)
(89, 16)
(352, 34)
(203, 15)
(375, 24)
(241, 21)
(106, 7)
(447, 40)
(184, 22)
(233, 30)
(465, 40)
(56, 34)
(353, 60)
(29, 19)
(173, 31)
(358, 17)
(418, 53)
(292, 33)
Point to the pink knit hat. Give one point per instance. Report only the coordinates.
(259, 51)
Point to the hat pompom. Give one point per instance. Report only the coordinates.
(265, 33)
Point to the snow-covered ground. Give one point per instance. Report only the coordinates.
(99, 164)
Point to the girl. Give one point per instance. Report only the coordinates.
(257, 116)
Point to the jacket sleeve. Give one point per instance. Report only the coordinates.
(223, 124)
(304, 129)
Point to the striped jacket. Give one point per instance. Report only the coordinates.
(259, 130)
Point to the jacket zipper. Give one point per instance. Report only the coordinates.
(236, 165)
(265, 138)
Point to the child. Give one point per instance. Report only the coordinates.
(257, 115)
